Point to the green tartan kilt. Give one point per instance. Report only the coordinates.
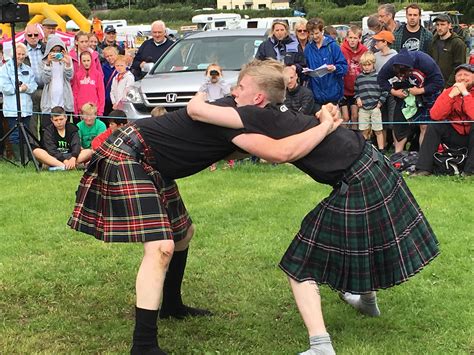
(368, 234)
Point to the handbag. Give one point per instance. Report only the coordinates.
(449, 161)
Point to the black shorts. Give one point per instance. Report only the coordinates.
(348, 101)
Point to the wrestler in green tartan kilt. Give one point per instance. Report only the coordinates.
(368, 234)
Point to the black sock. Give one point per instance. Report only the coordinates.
(172, 300)
(146, 330)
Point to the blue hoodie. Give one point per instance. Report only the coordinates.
(329, 88)
(434, 82)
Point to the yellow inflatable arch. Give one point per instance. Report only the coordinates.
(40, 10)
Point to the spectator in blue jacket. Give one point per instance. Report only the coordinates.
(323, 50)
(108, 68)
(8, 87)
(281, 46)
(416, 74)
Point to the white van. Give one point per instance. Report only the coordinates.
(207, 22)
(266, 22)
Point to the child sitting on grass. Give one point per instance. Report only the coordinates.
(90, 126)
(370, 98)
(61, 147)
(117, 119)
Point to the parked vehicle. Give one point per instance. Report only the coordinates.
(177, 75)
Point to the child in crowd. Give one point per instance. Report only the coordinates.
(60, 146)
(108, 68)
(81, 42)
(121, 83)
(369, 98)
(90, 126)
(215, 88)
(117, 119)
(56, 73)
(88, 85)
(352, 49)
(158, 111)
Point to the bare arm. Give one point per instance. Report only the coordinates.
(200, 110)
(289, 148)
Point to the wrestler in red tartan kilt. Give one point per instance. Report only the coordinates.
(121, 199)
(368, 234)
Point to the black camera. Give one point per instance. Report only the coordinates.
(214, 73)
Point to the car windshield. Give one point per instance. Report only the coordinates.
(195, 54)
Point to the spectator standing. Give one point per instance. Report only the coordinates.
(352, 49)
(386, 14)
(108, 68)
(370, 98)
(110, 40)
(2, 121)
(454, 104)
(282, 46)
(49, 28)
(57, 72)
(61, 147)
(412, 35)
(8, 88)
(121, 82)
(94, 45)
(375, 27)
(35, 50)
(418, 78)
(90, 126)
(383, 40)
(302, 34)
(152, 49)
(81, 43)
(88, 85)
(324, 50)
(448, 49)
(298, 98)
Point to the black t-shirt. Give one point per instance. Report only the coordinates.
(181, 146)
(411, 40)
(62, 147)
(328, 161)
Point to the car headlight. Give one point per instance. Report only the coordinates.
(134, 96)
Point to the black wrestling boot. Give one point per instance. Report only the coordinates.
(172, 305)
(145, 335)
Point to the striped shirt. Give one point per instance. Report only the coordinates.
(368, 90)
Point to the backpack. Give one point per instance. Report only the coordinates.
(404, 161)
(449, 161)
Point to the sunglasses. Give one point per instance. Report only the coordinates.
(33, 34)
(301, 31)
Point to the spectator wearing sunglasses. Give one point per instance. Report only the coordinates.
(35, 50)
(302, 34)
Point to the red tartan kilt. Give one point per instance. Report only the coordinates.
(120, 199)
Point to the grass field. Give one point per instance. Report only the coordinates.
(62, 292)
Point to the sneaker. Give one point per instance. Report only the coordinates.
(56, 168)
(421, 173)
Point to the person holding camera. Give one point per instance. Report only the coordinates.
(8, 86)
(56, 73)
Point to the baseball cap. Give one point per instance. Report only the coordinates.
(384, 36)
(468, 67)
(110, 29)
(443, 18)
(49, 22)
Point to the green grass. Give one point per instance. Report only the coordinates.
(62, 292)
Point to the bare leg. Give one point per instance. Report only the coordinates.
(399, 145)
(84, 156)
(44, 157)
(308, 302)
(380, 139)
(423, 129)
(355, 117)
(366, 133)
(345, 113)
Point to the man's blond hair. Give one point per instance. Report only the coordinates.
(268, 75)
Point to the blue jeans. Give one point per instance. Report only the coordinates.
(15, 136)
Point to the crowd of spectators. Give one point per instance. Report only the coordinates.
(387, 82)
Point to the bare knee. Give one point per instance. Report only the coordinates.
(184, 243)
(160, 251)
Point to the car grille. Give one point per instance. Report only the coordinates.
(168, 98)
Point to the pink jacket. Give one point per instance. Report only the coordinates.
(88, 86)
(95, 61)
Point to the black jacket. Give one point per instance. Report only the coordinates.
(300, 100)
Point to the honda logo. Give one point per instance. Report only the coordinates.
(170, 98)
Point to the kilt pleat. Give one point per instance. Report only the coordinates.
(121, 199)
(372, 236)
